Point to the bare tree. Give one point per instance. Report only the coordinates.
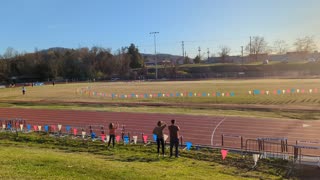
(305, 44)
(10, 53)
(280, 47)
(258, 45)
(224, 51)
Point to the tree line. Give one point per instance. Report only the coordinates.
(72, 64)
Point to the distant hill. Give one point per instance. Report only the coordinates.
(56, 49)
(161, 57)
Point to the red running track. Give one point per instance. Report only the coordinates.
(196, 129)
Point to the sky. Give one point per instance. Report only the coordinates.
(208, 24)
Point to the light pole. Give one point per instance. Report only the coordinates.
(155, 52)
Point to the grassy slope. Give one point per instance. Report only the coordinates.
(41, 157)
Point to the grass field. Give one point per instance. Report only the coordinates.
(67, 92)
(61, 94)
(68, 96)
(33, 156)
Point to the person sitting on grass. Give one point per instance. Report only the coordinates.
(158, 130)
(112, 133)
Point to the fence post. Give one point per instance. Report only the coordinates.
(222, 143)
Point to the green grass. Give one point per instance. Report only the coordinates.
(67, 92)
(33, 156)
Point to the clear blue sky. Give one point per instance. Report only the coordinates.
(30, 24)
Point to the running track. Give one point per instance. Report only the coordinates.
(196, 129)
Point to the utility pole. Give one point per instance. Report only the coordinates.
(199, 49)
(250, 45)
(155, 52)
(182, 44)
(208, 53)
(241, 55)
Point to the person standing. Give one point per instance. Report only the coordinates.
(174, 137)
(24, 90)
(112, 133)
(158, 130)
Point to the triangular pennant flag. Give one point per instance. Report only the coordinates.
(83, 133)
(310, 90)
(135, 139)
(3, 126)
(118, 139)
(35, 128)
(165, 137)
(125, 140)
(298, 90)
(188, 145)
(288, 90)
(267, 92)
(75, 131)
(59, 127)
(316, 90)
(53, 128)
(46, 128)
(103, 137)
(249, 92)
(107, 138)
(255, 158)
(39, 128)
(145, 138)
(280, 91)
(224, 153)
(21, 127)
(155, 137)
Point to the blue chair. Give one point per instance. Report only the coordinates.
(188, 145)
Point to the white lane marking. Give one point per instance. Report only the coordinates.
(216, 129)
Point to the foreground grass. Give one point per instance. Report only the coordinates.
(34, 156)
